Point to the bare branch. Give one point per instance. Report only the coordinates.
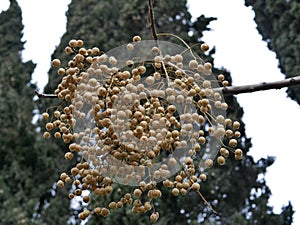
(45, 95)
(152, 20)
(235, 90)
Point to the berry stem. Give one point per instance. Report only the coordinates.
(180, 39)
(206, 202)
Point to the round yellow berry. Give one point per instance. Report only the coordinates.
(204, 47)
(136, 38)
(175, 191)
(73, 43)
(45, 116)
(195, 186)
(56, 63)
(221, 160)
(137, 192)
(46, 135)
(105, 212)
(69, 156)
(208, 163)
(60, 183)
(154, 217)
(203, 177)
(236, 125)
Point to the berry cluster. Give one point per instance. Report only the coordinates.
(137, 115)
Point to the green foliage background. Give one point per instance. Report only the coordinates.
(278, 21)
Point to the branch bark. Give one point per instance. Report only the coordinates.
(152, 20)
(45, 95)
(235, 90)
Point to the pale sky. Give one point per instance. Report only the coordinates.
(271, 118)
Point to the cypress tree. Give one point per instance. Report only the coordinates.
(279, 24)
(27, 169)
(19, 160)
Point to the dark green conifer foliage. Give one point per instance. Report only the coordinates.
(27, 168)
(18, 158)
(278, 21)
(232, 189)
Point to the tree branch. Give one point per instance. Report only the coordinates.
(152, 20)
(235, 90)
(45, 95)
